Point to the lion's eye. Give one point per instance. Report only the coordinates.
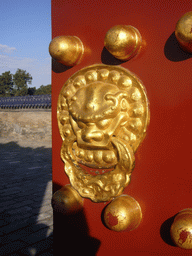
(81, 125)
(104, 123)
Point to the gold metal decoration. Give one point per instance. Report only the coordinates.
(122, 214)
(67, 200)
(183, 32)
(123, 41)
(102, 116)
(181, 229)
(67, 50)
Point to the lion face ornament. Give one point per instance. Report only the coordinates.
(103, 115)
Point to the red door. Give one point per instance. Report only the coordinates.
(162, 179)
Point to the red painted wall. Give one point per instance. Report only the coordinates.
(162, 179)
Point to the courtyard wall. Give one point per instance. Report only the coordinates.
(25, 125)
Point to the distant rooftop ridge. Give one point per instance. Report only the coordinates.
(26, 102)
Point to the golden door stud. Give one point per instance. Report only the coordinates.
(122, 214)
(181, 229)
(67, 200)
(67, 50)
(183, 32)
(123, 41)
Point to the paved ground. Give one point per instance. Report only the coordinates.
(26, 222)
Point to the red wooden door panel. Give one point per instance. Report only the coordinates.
(162, 178)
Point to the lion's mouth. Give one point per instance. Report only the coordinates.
(94, 171)
(97, 159)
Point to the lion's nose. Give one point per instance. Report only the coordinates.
(89, 136)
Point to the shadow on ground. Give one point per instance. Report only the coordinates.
(26, 219)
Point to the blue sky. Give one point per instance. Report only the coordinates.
(25, 27)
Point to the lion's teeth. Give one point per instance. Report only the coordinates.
(98, 156)
(108, 156)
(81, 153)
(89, 156)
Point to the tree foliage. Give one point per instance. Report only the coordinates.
(17, 84)
(44, 89)
(6, 84)
(31, 90)
(21, 79)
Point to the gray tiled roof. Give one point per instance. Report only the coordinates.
(29, 101)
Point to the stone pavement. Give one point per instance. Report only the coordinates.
(26, 218)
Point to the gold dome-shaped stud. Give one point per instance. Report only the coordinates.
(181, 229)
(122, 214)
(67, 50)
(183, 32)
(123, 41)
(67, 200)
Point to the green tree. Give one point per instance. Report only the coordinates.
(21, 79)
(31, 90)
(43, 89)
(6, 84)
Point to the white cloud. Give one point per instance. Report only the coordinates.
(40, 70)
(10, 62)
(6, 49)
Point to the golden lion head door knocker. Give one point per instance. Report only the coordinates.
(102, 115)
